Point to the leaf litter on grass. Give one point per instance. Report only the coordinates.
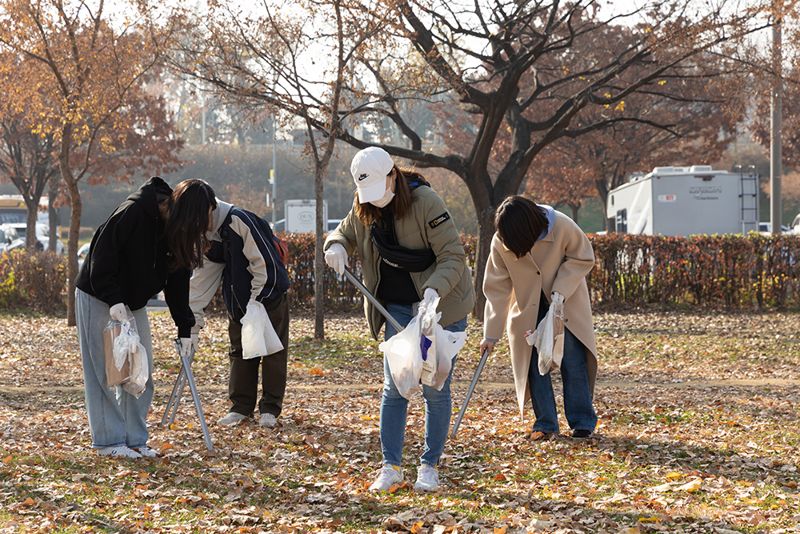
(681, 447)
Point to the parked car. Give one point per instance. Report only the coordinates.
(82, 253)
(280, 225)
(20, 230)
(766, 228)
(795, 226)
(7, 236)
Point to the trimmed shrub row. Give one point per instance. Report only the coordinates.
(709, 272)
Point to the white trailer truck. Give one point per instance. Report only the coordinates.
(680, 201)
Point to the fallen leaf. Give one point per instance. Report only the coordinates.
(674, 475)
(316, 371)
(649, 519)
(692, 486)
(663, 487)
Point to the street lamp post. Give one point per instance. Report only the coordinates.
(775, 167)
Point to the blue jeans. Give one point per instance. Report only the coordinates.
(575, 378)
(112, 422)
(394, 407)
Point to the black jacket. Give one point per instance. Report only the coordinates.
(128, 258)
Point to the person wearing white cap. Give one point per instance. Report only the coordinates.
(410, 251)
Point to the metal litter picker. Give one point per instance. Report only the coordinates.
(186, 375)
(378, 306)
(470, 390)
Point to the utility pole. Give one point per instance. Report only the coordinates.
(273, 176)
(203, 122)
(776, 110)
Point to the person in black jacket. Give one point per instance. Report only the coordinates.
(244, 258)
(129, 262)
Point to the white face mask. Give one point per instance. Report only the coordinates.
(384, 200)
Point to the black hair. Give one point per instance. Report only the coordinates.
(188, 222)
(519, 223)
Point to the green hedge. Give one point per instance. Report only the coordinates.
(707, 272)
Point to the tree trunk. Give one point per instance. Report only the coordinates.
(72, 247)
(319, 263)
(30, 236)
(575, 208)
(74, 219)
(52, 213)
(485, 233)
(602, 191)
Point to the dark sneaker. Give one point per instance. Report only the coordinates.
(582, 434)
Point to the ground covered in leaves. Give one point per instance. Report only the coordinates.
(699, 432)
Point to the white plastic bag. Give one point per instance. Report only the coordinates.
(549, 336)
(128, 348)
(423, 336)
(403, 354)
(139, 372)
(258, 335)
(447, 346)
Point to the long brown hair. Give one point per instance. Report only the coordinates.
(400, 204)
(188, 222)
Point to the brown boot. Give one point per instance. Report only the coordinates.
(538, 435)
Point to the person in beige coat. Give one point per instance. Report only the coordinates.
(410, 251)
(535, 253)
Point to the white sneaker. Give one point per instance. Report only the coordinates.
(388, 477)
(146, 452)
(120, 451)
(427, 478)
(267, 420)
(231, 419)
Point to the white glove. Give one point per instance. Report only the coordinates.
(426, 307)
(185, 346)
(336, 258)
(118, 312)
(429, 296)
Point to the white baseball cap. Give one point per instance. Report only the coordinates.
(369, 169)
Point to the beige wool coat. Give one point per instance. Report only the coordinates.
(558, 262)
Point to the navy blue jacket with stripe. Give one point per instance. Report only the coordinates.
(243, 258)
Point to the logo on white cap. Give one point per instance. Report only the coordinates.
(369, 169)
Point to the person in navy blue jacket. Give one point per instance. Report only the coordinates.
(242, 256)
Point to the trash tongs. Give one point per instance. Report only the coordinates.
(186, 375)
(481, 364)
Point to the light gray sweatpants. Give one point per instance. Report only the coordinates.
(112, 422)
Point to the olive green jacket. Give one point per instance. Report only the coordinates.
(427, 225)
